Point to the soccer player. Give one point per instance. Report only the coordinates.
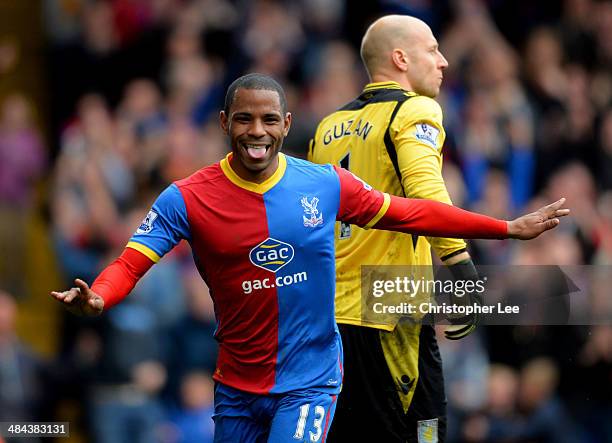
(391, 136)
(261, 225)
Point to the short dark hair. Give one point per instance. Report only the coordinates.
(255, 81)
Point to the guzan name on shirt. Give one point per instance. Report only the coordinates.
(346, 128)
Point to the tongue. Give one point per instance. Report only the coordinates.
(257, 153)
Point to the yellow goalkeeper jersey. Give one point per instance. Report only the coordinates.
(392, 139)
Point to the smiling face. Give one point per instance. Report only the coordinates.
(256, 128)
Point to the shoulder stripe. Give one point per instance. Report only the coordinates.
(369, 97)
(381, 212)
(144, 250)
(391, 146)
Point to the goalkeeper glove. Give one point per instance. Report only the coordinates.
(463, 325)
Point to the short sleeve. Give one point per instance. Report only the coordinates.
(360, 204)
(164, 226)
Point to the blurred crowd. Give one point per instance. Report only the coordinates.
(135, 88)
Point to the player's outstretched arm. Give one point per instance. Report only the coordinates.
(368, 208)
(112, 285)
(533, 224)
(428, 217)
(80, 300)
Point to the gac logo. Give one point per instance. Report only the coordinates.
(271, 254)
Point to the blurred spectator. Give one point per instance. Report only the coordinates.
(192, 346)
(546, 82)
(494, 202)
(130, 412)
(545, 417)
(590, 399)
(131, 17)
(502, 385)
(184, 151)
(580, 131)
(22, 162)
(322, 19)
(21, 371)
(90, 62)
(601, 16)
(190, 77)
(603, 256)
(466, 367)
(604, 163)
(498, 127)
(271, 52)
(214, 142)
(141, 108)
(577, 184)
(124, 397)
(142, 123)
(577, 32)
(523, 408)
(92, 184)
(9, 54)
(335, 77)
(543, 67)
(192, 421)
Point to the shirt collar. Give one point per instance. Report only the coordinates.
(259, 188)
(381, 85)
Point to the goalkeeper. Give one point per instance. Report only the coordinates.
(391, 136)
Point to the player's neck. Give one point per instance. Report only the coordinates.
(385, 77)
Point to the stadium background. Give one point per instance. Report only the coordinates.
(103, 103)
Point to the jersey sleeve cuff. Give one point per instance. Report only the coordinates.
(144, 250)
(454, 253)
(381, 212)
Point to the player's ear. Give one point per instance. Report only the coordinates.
(287, 123)
(224, 122)
(400, 59)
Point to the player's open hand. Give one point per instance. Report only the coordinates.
(531, 225)
(80, 300)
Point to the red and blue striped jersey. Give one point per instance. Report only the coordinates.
(266, 252)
